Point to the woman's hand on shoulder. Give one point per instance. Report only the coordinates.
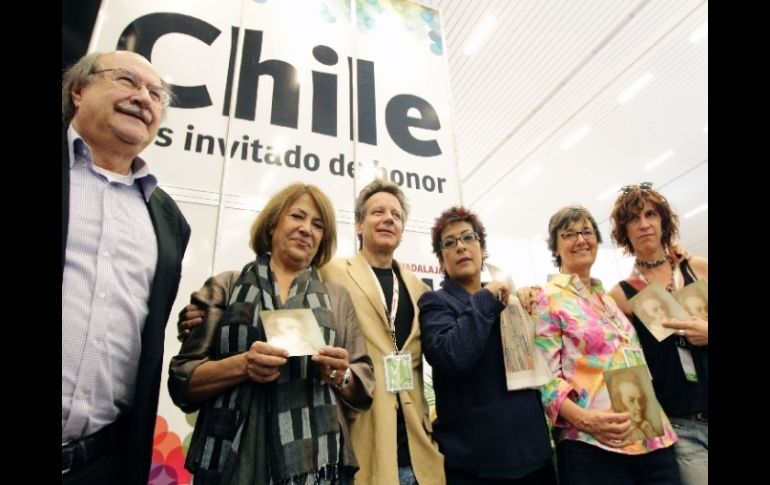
(700, 266)
(680, 252)
(189, 317)
(528, 298)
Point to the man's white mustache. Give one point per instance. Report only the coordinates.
(134, 110)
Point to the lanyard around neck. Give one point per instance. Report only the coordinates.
(393, 304)
(596, 300)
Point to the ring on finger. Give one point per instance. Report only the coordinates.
(680, 332)
(332, 374)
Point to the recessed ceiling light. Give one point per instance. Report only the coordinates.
(575, 137)
(492, 206)
(609, 191)
(635, 88)
(530, 175)
(700, 33)
(479, 35)
(659, 159)
(697, 210)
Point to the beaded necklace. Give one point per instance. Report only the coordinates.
(651, 264)
(672, 282)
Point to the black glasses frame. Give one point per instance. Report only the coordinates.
(573, 235)
(466, 238)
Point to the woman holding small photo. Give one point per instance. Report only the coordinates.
(582, 333)
(645, 225)
(266, 417)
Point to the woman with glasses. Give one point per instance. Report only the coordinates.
(582, 333)
(486, 433)
(645, 225)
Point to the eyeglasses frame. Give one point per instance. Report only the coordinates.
(135, 78)
(461, 238)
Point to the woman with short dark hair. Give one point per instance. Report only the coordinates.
(488, 435)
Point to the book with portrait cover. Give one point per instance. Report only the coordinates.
(630, 390)
(694, 298)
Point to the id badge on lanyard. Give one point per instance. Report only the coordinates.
(398, 372)
(688, 366)
(397, 364)
(634, 356)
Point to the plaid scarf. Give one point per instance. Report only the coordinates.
(296, 413)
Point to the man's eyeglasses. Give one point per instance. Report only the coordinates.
(131, 82)
(627, 188)
(572, 235)
(466, 238)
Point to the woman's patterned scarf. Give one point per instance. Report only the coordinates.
(302, 441)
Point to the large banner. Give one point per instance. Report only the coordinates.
(269, 92)
(274, 91)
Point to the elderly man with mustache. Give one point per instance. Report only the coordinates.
(123, 239)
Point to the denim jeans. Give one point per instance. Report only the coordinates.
(692, 450)
(406, 476)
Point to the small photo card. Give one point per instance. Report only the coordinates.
(295, 330)
(694, 298)
(654, 305)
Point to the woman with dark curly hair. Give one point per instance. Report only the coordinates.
(486, 433)
(645, 225)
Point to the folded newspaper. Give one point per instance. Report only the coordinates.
(525, 366)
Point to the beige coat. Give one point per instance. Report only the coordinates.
(373, 432)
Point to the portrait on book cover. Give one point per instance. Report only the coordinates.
(695, 299)
(631, 392)
(654, 305)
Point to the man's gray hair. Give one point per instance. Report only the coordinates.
(79, 74)
(375, 186)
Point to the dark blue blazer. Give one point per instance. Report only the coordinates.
(173, 233)
(481, 426)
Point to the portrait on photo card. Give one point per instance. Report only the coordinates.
(653, 305)
(694, 298)
(295, 330)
